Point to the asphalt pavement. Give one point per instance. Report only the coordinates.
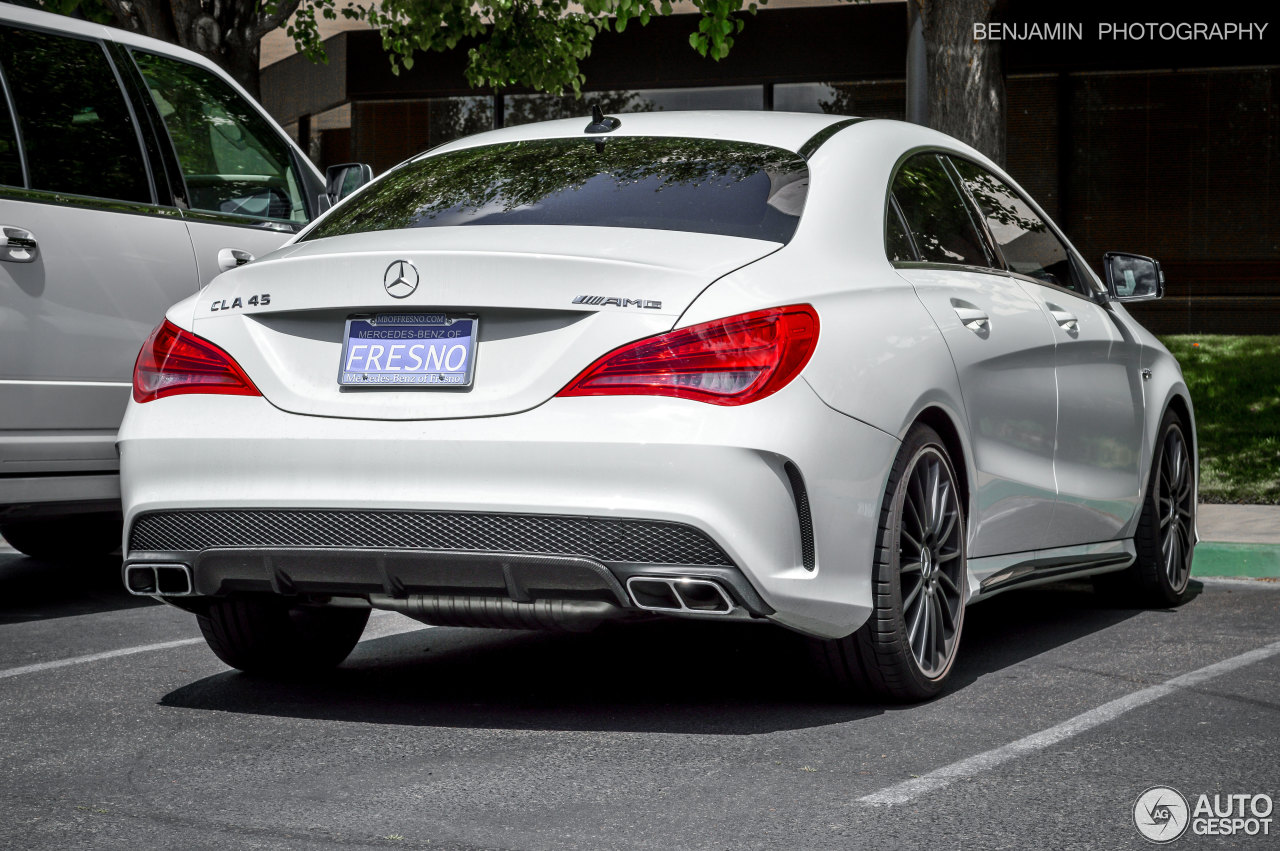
(121, 730)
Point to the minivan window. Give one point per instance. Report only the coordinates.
(694, 185)
(10, 159)
(1029, 246)
(77, 131)
(936, 213)
(232, 160)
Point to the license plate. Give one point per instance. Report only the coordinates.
(408, 350)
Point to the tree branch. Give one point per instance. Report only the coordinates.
(284, 10)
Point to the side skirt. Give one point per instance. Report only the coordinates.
(991, 575)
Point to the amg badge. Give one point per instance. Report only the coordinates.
(616, 301)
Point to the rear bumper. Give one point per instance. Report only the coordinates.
(720, 472)
(59, 493)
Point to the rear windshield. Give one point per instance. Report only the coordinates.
(695, 185)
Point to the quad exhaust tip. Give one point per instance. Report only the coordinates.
(683, 596)
(164, 580)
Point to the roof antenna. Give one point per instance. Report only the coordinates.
(601, 123)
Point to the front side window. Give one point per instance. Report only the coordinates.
(936, 214)
(77, 131)
(1029, 246)
(694, 185)
(232, 160)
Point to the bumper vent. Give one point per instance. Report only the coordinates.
(807, 555)
(605, 540)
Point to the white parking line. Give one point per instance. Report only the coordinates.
(909, 790)
(381, 625)
(96, 657)
(387, 624)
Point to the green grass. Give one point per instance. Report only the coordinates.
(1235, 387)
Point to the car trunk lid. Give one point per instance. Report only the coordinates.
(548, 302)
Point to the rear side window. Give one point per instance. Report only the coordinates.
(77, 131)
(897, 244)
(936, 213)
(1028, 245)
(695, 185)
(232, 160)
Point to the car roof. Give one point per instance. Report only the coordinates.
(10, 13)
(786, 130)
(75, 26)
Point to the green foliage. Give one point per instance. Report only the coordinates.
(1235, 387)
(91, 10)
(537, 44)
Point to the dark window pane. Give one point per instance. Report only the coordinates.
(76, 127)
(10, 161)
(897, 245)
(232, 160)
(696, 185)
(936, 213)
(1028, 245)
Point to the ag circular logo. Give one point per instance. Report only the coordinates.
(401, 279)
(1161, 814)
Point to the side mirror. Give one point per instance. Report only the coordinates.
(341, 180)
(1132, 277)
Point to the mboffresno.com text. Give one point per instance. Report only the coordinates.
(1136, 31)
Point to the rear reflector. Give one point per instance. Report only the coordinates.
(725, 362)
(173, 361)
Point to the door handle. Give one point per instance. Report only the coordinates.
(1065, 319)
(231, 258)
(973, 318)
(18, 245)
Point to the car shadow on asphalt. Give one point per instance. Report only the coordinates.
(661, 676)
(34, 589)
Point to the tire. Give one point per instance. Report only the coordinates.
(266, 636)
(67, 537)
(905, 650)
(1160, 576)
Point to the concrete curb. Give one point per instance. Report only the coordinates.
(1254, 561)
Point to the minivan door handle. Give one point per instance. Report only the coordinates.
(231, 258)
(1064, 318)
(973, 318)
(18, 245)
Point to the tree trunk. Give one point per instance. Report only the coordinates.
(229, 32)
(966, 75)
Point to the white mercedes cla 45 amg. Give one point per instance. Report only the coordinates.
(839, 375)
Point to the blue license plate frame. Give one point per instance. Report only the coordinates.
(379, 351)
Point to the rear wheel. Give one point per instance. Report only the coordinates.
(64, 537)
(906, 649)
(1165, 541)
(266, 636)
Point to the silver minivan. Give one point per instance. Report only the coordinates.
(131, 173)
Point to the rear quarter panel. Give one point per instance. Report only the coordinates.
(880, 358)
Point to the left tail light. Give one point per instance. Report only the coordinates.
(729, 361)
(173, 361)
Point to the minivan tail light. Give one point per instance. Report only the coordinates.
(173, 361)
(729, 361)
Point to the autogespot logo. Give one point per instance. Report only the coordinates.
(401, 279)
(1161, 814)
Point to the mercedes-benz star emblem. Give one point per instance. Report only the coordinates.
(401, 279)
